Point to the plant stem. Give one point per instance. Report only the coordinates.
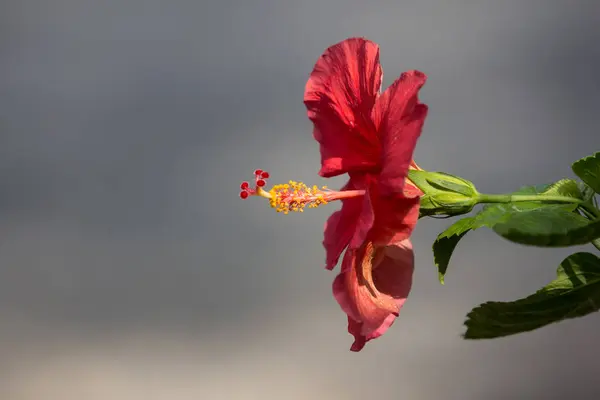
(515, 198)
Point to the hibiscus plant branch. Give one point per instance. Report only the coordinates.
(516, 198)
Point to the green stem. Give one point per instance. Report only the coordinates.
(515, 198)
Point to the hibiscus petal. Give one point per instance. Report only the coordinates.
(339, 96)
(340, 288)
(339, 229)
(398, 117)
(413, 165)
(355, 329)
(369, 291)
(343, 225)
(410, 190)
(396, 217)
(356, 293)
(364, 222)
(393, 276)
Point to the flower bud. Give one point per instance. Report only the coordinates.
(444, 194)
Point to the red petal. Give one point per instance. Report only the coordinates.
(372, 292)
(410, 190)
(339, 229)
(413, 165)
(340, 287)
(339, 96)
(399, 118)
(354, 328)
(396, 217)
(392, 278)
(364, 222)
(341, 226)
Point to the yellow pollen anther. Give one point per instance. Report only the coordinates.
(295, 196)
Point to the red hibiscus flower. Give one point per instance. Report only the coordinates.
(370, 136)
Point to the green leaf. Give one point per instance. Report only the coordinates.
(533, 189)
(587, 193)
(588, 169)
(564, 187)
(549, 226)
(489, 216)
(574, 293)
(446, 242)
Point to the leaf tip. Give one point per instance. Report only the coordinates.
(441, 278)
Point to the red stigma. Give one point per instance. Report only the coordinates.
(260, 180)
(260, 177)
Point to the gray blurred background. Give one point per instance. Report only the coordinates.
(129, 267)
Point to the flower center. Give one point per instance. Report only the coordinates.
(293, 196)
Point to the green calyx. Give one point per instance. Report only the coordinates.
(444, 194)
